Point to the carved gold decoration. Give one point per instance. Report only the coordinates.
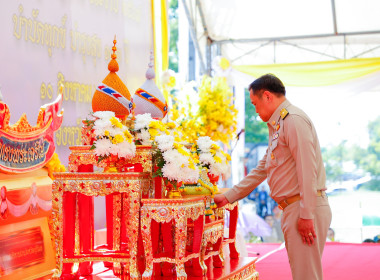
(164, 211)
(94, 184)
(211, 235)
(247, 272)
(143, 156)
(83, 155)
(231, 206)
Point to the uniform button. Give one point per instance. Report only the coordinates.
(273, 122)
(272, 156)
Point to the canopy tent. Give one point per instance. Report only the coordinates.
(329, 49)
(250, 32)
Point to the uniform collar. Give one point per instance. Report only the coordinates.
(276, 114)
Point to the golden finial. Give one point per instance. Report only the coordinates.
(113, 56)
(113, 66)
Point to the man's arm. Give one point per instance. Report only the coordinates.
(245, 186)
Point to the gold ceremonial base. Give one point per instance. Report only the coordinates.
(234, 269)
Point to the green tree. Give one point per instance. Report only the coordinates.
(369, 159)
(256, 131)
(334, 157)
(173, 27)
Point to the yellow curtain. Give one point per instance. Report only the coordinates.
(315, 74)
(165, 35)
(161, 38)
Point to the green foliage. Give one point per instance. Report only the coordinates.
(256, 131)
(373, 185)
(251, 238)
(369, 159)
(366, 159)
(173, 28)
(159, 162)
(334, 157)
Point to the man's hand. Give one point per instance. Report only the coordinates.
(220, 200)
(306, 230)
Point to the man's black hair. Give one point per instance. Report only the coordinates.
(268, 82)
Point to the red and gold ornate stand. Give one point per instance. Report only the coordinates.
(67, 222)
(164, 211)
(233, 219)
(213, 235)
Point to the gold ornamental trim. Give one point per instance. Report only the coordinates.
(231, 206)
(84, 155)
(163, 211)
(128, 185)
(173, 260)
(125, 260)
(247, 272)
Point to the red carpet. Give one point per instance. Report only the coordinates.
(344, 261)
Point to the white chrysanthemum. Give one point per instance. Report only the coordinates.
(142, 121)
(204, 143)
(164, 142)
(127, 150)
(115, 130)
(218, 169)
(190, 175)
(206, 158)
(103, 147)
(173, 156)
(171, 171)
(114, 149)
(144, 136)
(102, 124)
(104, 114)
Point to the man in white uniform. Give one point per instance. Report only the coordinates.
(296, 176)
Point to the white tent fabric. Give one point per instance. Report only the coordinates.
(255, 32)
(284, 31)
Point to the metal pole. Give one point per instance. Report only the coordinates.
(194, 37)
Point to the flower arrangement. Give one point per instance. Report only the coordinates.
(208, 112)
(217, 112)
(174, 162)
(213, 157)
(147, 128)
(113, 140)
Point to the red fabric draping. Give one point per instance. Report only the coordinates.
(21, 196)
(340, 261)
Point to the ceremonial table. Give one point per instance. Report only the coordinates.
(71, 245)
(178, 210)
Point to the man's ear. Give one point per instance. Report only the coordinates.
(267, 95)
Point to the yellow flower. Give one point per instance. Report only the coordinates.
(115, 122)
(214, 146)
(107, 133)
(128, 136)
(119, 138)
(170, 125)
(224, 63)
(153, 132)
(217, 159)
(183, 152)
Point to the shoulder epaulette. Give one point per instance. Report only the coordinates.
(283, 113)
